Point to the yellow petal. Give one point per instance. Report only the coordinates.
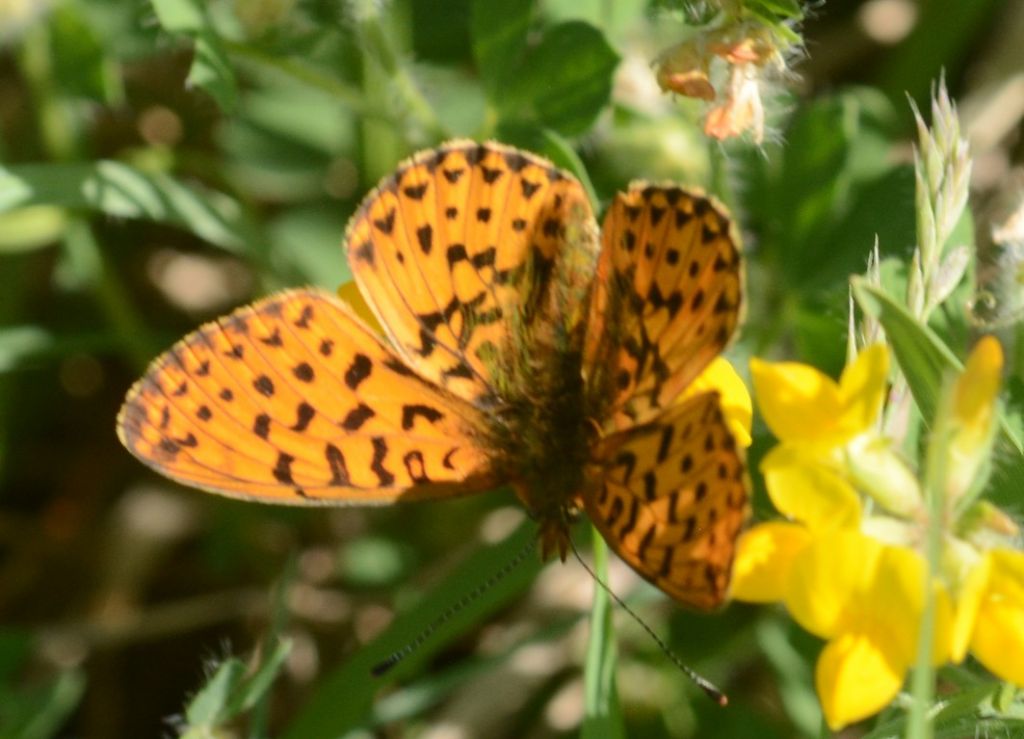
(804, 489)
(720, 375)
(862, 389)
(349, 292)
(972, 591)
(855, 678)
(893, 600)
(998, 637)
(798, 402)
(828, 581)
(998, 640)
(973, 417)
(764, 557)
(977, 388)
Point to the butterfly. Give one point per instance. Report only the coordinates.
(525, 347)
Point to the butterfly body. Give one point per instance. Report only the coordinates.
(524, 347)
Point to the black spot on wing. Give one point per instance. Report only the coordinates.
(336, 463)
(416, 192)
(425, 237)
(261, 426)
(304, 413)
(305, 316)
(415, 466)
(274, 339)
(356, 417)
(358, 371)
(364, 252)
(264, 385)
(410, 412)
(283, 468)
(380, 451)
(386, 224)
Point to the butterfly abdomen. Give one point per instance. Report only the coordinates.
(543, 436)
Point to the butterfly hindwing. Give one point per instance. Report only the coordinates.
(670, 498)
(666, 300)
(453, 244)
(294, 400)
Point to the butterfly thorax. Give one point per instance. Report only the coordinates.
(540, 431)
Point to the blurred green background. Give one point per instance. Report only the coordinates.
(162, 162)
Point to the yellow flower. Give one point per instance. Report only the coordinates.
(829, 443)
(350, 293)
(973, 415)
(866, 598)
(859, 581)
(990, 616)
(733, 396)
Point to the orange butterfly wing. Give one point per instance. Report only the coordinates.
(670, 499)
(666, 301)
(453, 248)
(667, 486)
(294, 400)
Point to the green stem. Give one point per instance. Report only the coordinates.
(922, 686)
(600, 695)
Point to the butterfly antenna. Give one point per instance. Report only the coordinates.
(395, 657)
(701, 682)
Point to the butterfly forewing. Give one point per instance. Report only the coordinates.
(449, 249)
(670, 499)
(666, 301)
(294, 400)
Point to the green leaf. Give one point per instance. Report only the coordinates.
(39, 711)
(80, 63)
(207, 708)
(783, 8)
(564, 81)
(180, 16)
(835, 172)
(251, 689)
(344, 698)
(20, 342)
(499, 38)
(119, 190)
(210, 70)
(26, 229)
(602, 715)
(921, 354)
